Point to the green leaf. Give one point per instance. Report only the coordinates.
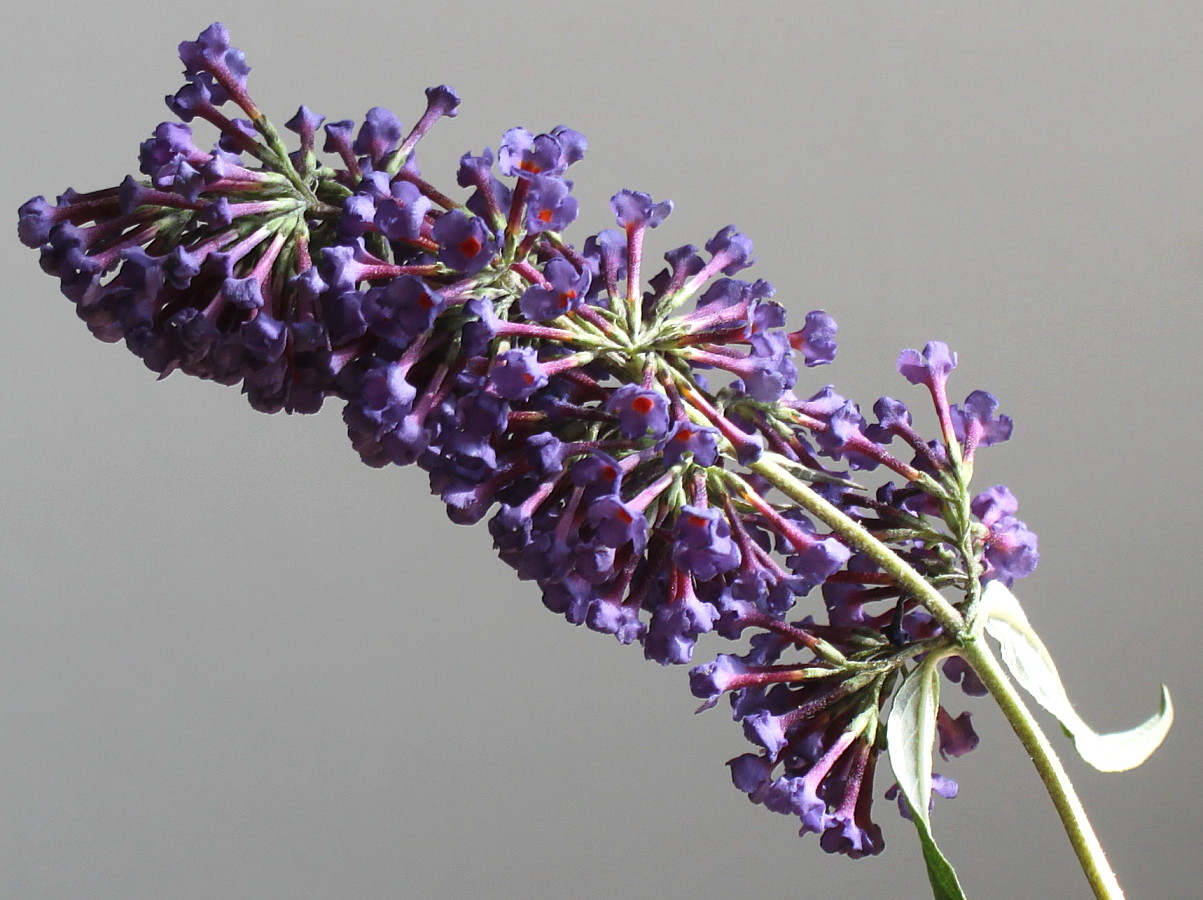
(911, 733)
(944, 883)
(1032, 666)
(911, 736)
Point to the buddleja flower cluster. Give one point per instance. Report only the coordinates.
(641, 447)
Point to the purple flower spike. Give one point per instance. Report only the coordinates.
(994, 504)
(930, 369)
(34, 221)
(617, 524)
(211, 52)
(635, 209)
(1010, 551)
(959, 672)
(305, 123)
(708, 682)
(572, 144)
(402, 310)
(765, 729)
(401, 215)
(750, 772)
(640, 411)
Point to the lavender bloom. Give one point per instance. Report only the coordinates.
(816, 339)
(556, 394)
(685, 437)
(465, 244)
(378, 135)
(549, 205)
(565, 291)
(931, 368)
(640, 411)
(517, 374)
(975, 425)
(635, 209)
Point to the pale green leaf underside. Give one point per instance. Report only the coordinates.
(911, 736)
(1031, 665)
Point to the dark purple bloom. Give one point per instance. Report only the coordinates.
(641, 411)
(1010, 550)
(401, 214)
(549, 205)
(733, 249)
(957, 736)
(385, 396)
(709, 681)
(685, 437)
(975, 424)
(524, 155)
(930, 369)
(442, 99)
(674, 629)
(211, 52)
(959, 672)
(378, 135)
(402, 310)
(617, 523)
(338, 137)
(635, 209)
(305, 123)
(517, 373)
(565, 291)
(704, 546)
(816, 339)
(264, 337)
(993, 504)
(771, 372)
(617, 619)
(750, 772)
(465, 244)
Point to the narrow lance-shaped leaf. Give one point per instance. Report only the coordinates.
(911, 733)
(1032, 666)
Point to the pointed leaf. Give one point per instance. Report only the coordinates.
(911, 732)
(943, 878)
(1031, 665)
(911, 737)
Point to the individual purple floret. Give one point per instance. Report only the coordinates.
(635, 209)
(641, 412)
(465, 243)
(975, 425)
(931, 368)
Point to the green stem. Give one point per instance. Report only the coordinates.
(856, 534)
(1090, 853)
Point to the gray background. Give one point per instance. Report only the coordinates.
(237, 663)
